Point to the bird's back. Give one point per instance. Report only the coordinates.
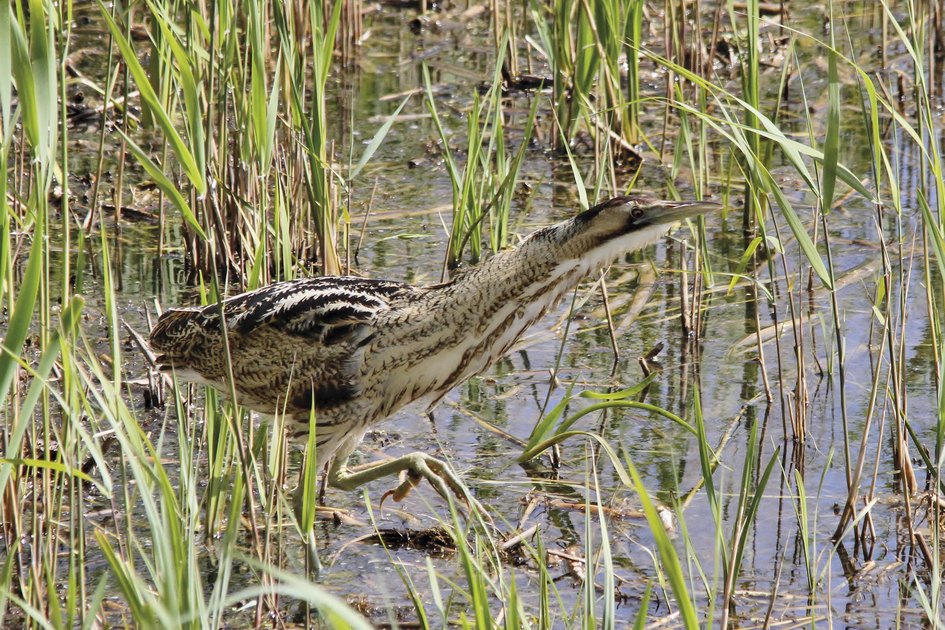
(287, 346)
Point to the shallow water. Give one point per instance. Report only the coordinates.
(405, 240)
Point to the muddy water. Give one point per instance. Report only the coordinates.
(405, 240)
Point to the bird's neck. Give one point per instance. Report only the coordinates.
(463, 327)
(560, 256)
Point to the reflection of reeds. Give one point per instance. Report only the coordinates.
(351, 27)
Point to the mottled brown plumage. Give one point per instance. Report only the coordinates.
(358, 350)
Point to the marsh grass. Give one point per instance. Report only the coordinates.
(482, 187)
(116, 515)
(584, 43)
(273, 88)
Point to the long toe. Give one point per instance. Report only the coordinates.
(446, 478)
(400, 492)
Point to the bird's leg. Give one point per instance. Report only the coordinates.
(417, 465)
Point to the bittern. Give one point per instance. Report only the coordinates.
(350, 351)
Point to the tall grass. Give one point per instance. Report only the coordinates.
(483, 187)
(112, 514)
(585, 44)
(218, 66)
(30, 53)
(62, 404)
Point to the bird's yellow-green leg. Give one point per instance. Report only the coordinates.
(417, 466)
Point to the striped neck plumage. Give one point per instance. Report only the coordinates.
(555, 259)
(596, 237)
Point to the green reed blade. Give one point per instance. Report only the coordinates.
(49, 357)
(376, 141)
(935, 230)
(35, 76)
(608, 614)
(166, 185)
(669, 560)
(832, 141)
(19, 324)
(6, 68)
(184, 155)
(186, 70)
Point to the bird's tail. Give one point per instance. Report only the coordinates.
(176, 332)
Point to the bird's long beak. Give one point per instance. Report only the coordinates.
(673, 211)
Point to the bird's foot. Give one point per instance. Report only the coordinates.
(420, 466)
(400, 493)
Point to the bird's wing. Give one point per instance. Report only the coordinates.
(300, 341)
(326, 311)
(331, 319)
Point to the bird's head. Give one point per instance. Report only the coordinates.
(618, 226)
(641, 215)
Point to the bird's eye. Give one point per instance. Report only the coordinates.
(637, 213)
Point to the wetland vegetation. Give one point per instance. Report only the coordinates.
(743, 426)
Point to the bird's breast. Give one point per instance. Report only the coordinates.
(442, 345)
